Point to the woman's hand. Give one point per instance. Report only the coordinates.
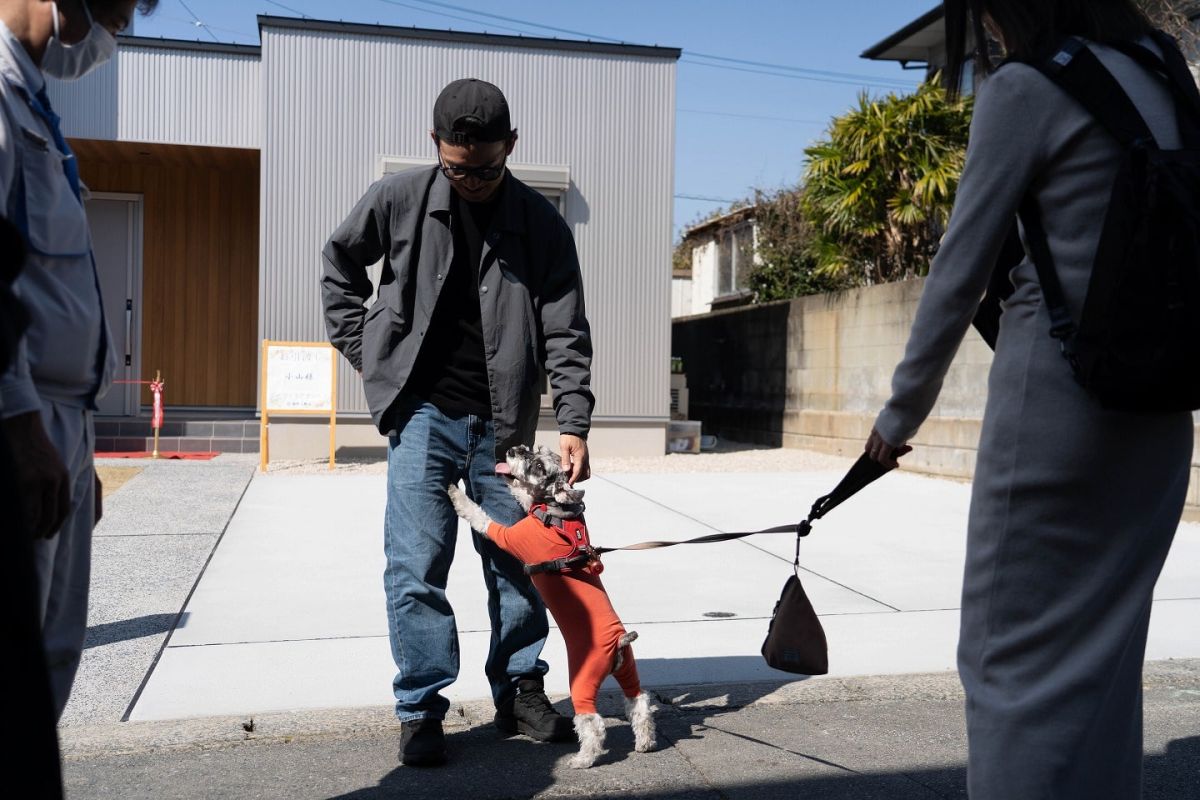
(884, 452)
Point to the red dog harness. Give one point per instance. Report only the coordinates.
(574, 595)
(574, 531)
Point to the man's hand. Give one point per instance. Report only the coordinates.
(574, 457)
(884, 452)
(99, 498)
(41, 477)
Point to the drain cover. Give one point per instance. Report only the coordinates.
(718, 614)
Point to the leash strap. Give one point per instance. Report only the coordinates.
(559, 564)
(711, 538)
(864, 472)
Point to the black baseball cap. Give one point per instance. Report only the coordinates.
(470, 110)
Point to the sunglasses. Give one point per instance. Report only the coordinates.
(485, 174)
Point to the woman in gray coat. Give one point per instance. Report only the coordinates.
(1074, 507)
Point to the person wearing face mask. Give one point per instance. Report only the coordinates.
(64, 361)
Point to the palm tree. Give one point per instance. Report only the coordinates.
(878, 191)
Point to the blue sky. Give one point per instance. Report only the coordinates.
(736, 128)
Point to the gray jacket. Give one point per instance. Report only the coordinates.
(66, 354)
(530, 298)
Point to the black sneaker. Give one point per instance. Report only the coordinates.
(530, 713)
(422, 743)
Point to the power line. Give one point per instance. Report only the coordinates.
(852, 76)
(288, 8)
(199, 24)
(444, 14)
(706, 199)
(241, 34)
(779, 70)
(525, 23)
(794, 76)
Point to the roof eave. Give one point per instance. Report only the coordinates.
(876, 51)
(494, 39)
(730, 218)
(160, 43)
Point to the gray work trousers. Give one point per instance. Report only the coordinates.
(64, 561)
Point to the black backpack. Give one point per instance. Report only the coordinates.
(1136, 346)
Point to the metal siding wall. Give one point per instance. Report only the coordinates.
(169, 96)
(331, 112)
(88, 106)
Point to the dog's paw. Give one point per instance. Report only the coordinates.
(589, 728)
(645, 745)
(640, 714)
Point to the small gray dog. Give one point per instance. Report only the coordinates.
(553, 543)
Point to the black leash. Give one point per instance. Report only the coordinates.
(864, 472)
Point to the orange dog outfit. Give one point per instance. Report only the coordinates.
(578, 603)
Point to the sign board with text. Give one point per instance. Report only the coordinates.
(298, 378)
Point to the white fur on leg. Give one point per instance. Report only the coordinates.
(590, 730)
(641, 719)
(475, 516)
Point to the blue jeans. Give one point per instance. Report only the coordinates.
(429, 452)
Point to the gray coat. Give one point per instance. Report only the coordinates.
(530, 299)
(1074, 506)
(66, 354)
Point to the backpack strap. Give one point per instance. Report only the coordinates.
(1078, 71)
(1062, 326)
(1173, 69)
(1179, 70)
(1000, 288)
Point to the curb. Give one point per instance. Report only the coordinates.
(124, 738)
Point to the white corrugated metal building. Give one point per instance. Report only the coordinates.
(218, 171)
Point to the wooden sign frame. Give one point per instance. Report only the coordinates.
(264, 423)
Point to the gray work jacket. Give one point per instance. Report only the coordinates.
(66, 354)
(530, 299)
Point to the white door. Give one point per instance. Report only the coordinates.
(116, 223)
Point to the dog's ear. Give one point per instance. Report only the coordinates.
(545, 452)
(564, 495)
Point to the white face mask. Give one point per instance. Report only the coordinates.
(71, 61)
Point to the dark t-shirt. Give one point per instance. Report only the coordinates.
(451, 370)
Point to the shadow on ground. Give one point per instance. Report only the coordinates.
(126, 629)
(475, 756)
(482, 765)
(710, 678)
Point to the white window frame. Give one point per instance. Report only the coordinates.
(738, 269)
(552, 180)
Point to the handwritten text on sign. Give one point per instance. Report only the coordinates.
(299, 378)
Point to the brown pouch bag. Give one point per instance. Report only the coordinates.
(795, 640)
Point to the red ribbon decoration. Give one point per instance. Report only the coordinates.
(156, 419)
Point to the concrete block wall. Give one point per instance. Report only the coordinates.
(814, 372)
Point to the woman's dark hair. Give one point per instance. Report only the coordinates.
(1032, 29)
(101, 6)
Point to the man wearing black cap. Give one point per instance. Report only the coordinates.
(480, 291)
